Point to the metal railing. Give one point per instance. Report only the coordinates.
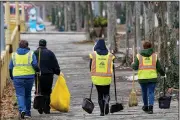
(12, 40)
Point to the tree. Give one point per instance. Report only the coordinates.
(101, 7)
(137, 26)
(167, 43)
(128, 31)
(65, 16)
(91, 14)
(86, 23)
(53, 16)
(78, 25)
(69, 9)
(111, 30)
(149, 21)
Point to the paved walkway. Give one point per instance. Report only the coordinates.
(73, 64)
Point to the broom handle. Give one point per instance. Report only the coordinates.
(133, 69)
(39, 67)
(114, 81)
(164, 81)
(91, 91)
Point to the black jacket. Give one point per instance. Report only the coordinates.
(48, 61)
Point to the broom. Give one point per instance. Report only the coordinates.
(133, 97)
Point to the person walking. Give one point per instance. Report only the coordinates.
(22, 69)
(48, 66)
(101, 67)
(148, 66)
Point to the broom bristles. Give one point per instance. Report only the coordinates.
(133, 99)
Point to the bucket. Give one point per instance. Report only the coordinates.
(164, 102)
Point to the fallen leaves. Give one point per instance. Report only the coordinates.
(7, 102)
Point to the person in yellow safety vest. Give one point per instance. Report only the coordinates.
(148, 66)
(101, 67)
(22, 68)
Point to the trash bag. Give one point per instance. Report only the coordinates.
(60, 96)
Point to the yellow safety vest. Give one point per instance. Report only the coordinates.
(147, 66)
(22, 64)
(101, 68)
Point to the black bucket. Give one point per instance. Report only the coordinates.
(164, 102)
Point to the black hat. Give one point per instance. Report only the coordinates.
(42, 42)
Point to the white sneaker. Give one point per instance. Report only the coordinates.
(27, 117)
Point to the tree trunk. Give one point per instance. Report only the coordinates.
(137, 28)
(150, 22)
(65, 16)
(91, 14)
(128, 30)
(78, 25)
(111, 26)
(101, 7)
(163, 31)
(53, 16)
(86, 22)
(69, 15)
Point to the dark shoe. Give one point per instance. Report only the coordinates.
(145, 108)
(106, 105)
(47, 112)
(46, 105)
(40, 111)
(22, 114)
(101, 106)
(102, 114)
(106, 108)
(150, 110)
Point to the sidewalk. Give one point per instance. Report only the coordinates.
(76, 70)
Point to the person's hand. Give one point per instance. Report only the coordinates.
(170, 90)
(61, 74)
(38, 73)
(164, 76)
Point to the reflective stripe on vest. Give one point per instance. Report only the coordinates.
(147, 67)
(143, 66)
(29, 60)
(22, 64)
(108, 72)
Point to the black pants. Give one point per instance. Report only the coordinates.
(45, 85)
(103, 96)
(103, 91)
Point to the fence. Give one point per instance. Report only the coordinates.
(12, 40)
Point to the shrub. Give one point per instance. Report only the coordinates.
(100, 22)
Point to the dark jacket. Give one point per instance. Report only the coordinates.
(100, 48)
(147, 53)
(48, 62)
(23, 51)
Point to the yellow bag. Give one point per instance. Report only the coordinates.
(60, 96)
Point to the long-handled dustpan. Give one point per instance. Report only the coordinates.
(39, 98)
(117, 106)
(87, 104)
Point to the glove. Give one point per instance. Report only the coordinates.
(164, 76)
